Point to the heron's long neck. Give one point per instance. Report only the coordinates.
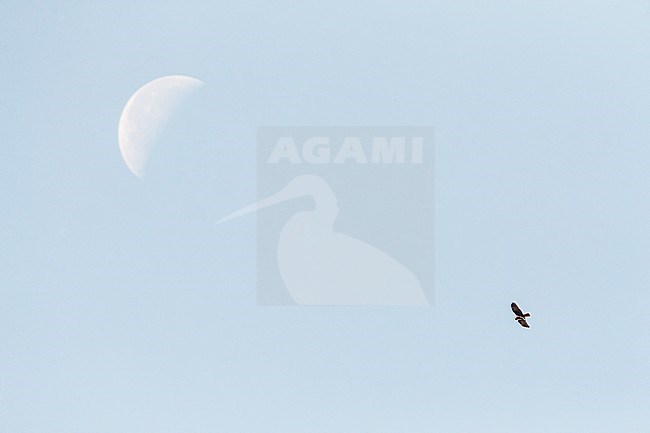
(325, 209)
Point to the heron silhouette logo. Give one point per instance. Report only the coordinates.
(366, 238)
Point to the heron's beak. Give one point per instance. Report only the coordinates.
(279, 197)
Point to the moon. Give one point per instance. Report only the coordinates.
(146, 111)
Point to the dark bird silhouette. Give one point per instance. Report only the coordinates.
(520, 316)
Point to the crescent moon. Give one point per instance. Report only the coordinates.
(146, 112)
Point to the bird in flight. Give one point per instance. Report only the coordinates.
(520, 316)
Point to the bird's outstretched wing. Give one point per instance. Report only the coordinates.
(516, 309)
(522, 322)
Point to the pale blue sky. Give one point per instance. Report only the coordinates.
(122, 309)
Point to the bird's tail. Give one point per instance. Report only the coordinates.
(527, 315)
